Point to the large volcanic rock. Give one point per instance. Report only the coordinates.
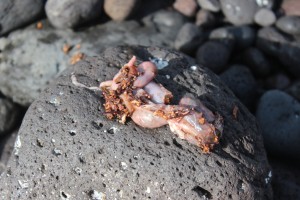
(67, 149)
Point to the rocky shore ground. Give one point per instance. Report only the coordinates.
(228, 53)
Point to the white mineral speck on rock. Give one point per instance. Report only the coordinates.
(123, 165)
(159, 62)
(267, 180)
(57, 152)
(18, 145)
(194, 67)
(148, 190)
(24, 184)
(95, 195)
(168, 76)
(55, 100)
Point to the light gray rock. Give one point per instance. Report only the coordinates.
(17, 13)
(186, 7)
(279, 117)
(205, 19)
(30, 58)
(106, 158)
(211, 5)
(119, 10)
(239, 12)
(241, 36)
(289, 24)
(265, 17)
(71, 13)
(189, 38)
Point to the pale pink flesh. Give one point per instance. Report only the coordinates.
(158, 93)
(185, 127)
(147, 71)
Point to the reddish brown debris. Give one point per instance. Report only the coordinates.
(235, 112)
(76, 58)
(39, 25)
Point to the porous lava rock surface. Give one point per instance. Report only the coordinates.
(67, 149)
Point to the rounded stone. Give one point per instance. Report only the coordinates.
(264, 17)
(119, 10)
(270, 40)
(213, 55)
(241, 36)
(188, 38)
(241, 81)
(211, 5)
(186, 7)
(289, 24)
(8, 115)
(205, 18)
(127, 161)
(239, 12)
(279, 117)
(71, 13)
(17, 13)
(291, 7)
(257, 62)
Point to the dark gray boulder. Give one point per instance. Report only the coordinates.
(17, 13)
(67, 149)
(71, 13)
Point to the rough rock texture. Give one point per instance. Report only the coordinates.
(17, 13)
(66, 148)
(30, 58)
(71, 13)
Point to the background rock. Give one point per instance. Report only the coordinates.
(8, 115)
(289, 24)
(239, 12)
(264, 17)
(17, 13)
(211, 5)
(186, 7)
(30, 58)
(241, 81)
(213, 55)
(291, 7)
(119, 10)
(126, 161)
(279, 117)
(242, 36)
(71, 13)
(189, 38)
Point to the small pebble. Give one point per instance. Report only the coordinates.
(241, 81)
(279, 117)
(205, 18)
(188, 38)
(119, 10)
(257, 62)
(211, 5)
(239, 12)
(265, 17)
(213, 55)
(289, 24)
(291, 7)
(186, 7)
